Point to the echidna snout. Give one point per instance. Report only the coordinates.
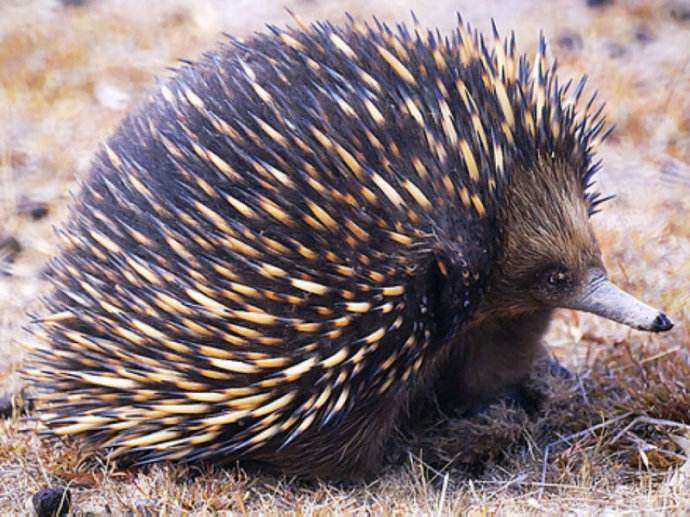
(599, 296)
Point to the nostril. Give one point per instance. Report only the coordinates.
(662, 323)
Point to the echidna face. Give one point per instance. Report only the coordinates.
(550, 257)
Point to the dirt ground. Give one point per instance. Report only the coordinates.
(613, 437)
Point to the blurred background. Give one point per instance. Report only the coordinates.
(71, 69)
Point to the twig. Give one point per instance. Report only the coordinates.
(649, 359)
(648, 420)
(660, 421)
(444, 489)
(548, 448)
(583, 391)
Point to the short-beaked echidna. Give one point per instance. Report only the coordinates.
(297, 230)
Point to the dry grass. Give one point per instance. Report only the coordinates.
(616, 434)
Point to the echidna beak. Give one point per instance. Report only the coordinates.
(599, 296)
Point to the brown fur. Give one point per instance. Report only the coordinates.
(542, 221)
(494, 357)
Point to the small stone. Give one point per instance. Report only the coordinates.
(35, 209)
(680, 11)
(556, 369)
(569, 40)
(644, 35)
(16, 403)
(10, 247)
(52, 502)
(111, 96)
(617, 50)
(145, 507)
(6, 406)
(347, 485)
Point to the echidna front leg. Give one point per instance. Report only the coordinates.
(492, 360)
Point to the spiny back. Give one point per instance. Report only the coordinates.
(256, 258)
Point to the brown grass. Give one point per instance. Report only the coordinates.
(614, 436)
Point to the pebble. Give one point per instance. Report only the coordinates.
(598, 3)
(52, 502)
(111, 96)
(37, 210)
(569, 40)
(680, 11)
(6, 406)
(11, 404)
(10, 247)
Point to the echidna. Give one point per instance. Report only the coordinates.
(273, 252)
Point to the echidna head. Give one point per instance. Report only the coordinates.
(549, 257)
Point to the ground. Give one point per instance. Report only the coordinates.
(614, 436)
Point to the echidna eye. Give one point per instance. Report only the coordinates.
(557, 278)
